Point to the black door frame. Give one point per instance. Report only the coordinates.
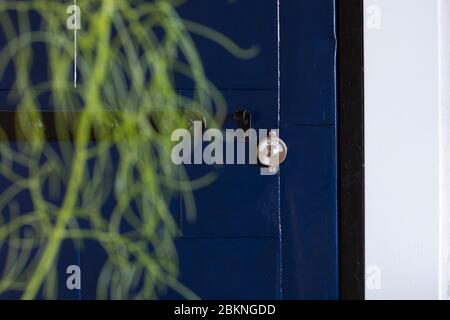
(351, 149)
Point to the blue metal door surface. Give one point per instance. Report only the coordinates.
(254, 236)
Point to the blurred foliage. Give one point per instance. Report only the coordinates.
(117, 191)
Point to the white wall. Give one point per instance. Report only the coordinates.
(405, 150)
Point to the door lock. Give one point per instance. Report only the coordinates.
(272, 151)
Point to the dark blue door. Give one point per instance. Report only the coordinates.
(256, 236)
(269, 237)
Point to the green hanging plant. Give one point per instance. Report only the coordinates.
(128, 55)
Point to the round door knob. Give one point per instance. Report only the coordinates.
(272, 151)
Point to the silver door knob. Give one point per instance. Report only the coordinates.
(272, 151)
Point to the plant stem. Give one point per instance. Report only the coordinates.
(79, 164)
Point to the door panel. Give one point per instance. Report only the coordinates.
(248, 23)
(248, 205)
(308, 59)
(204, 262)
(308, 206)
